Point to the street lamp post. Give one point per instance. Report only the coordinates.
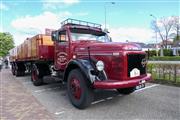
(156, 33)
(105, 14)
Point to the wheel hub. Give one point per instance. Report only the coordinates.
(76, 88)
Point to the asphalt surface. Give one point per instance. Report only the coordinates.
(153, 102)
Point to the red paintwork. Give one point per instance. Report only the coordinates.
(114, 84)
(75, 88)
(115, 65)
(34, 75)
(46, 52)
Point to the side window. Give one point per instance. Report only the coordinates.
(63, 36)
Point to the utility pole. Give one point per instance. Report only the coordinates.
(105, 14)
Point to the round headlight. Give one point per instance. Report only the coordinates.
(100, 65)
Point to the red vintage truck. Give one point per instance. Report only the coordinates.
(83, 55)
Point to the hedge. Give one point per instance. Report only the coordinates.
(165, 58)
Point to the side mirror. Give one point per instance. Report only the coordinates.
(55, 36)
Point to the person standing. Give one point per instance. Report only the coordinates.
(6, 63)
(1, 63)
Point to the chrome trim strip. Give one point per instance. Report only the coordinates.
(106, 54)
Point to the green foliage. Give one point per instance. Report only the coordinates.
(151, 53)
(167, 52)
(165, 58)
(6, 43)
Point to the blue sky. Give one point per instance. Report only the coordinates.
(126, 19)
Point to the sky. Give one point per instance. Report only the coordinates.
(125, 19)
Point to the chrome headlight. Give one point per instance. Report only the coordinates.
(100, 65)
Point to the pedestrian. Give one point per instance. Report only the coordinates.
(6, 63)
(1, 63)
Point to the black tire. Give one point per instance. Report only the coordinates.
(36, 75)
(86, 94)
(19, 73)
(19, 69)
(126, 91)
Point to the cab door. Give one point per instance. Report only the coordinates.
(61, 50)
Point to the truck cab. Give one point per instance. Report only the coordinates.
(89, 60)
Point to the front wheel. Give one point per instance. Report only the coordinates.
(126, 91)
(80, 94)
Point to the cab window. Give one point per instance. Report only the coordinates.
(62, 36)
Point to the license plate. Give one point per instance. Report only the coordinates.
(140, 86)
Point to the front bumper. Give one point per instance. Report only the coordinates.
(114, 84)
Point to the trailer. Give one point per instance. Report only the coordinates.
(33, 51)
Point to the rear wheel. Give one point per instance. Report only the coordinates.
(80, 94)
(126, 91)
(19, 69)
(36, 75)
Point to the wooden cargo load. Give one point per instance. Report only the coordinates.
(39, 47)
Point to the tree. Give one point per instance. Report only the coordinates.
(163, 27)
(176, 28)
(6, 43)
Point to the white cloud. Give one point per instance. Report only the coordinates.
(70, 1)
(40, 22)
(121, 34)
(3, 7)
(32, 25)
(1, 29)
(54, 4)
(20, 37)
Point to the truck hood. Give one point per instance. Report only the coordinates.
(100, 46)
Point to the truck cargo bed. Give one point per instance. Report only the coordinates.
(39, 47)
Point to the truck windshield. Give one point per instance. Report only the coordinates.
(89, 35)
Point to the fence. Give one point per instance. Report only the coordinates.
(165, 72)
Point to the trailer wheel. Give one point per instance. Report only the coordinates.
(79, 93)
(36, 76)
(126, 91)
(19, 69)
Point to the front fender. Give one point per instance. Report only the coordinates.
(84, 65)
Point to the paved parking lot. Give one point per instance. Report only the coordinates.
(153, 102)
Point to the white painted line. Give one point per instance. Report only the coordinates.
(98, 101)
(147, 87)
(109, 98)
(120, 95)
(58, 113)
(27, 82)
(48, 89)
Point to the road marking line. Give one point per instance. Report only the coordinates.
(147, 87)
(48, 89)
(109, 98)
(120, 95)
(58, 113)
(27, 82)
(98, 101)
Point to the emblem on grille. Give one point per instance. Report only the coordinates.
(144, 62)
